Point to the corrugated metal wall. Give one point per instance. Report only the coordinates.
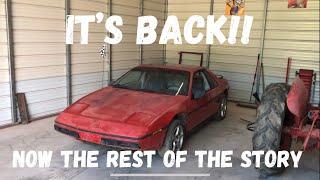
(5, 101)
(154, 53)
(183, 9)
(39, 46)
(40, 54)
(237, 62)
(89, 69)
(125, 55)
(291, 33)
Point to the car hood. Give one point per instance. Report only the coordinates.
(122, 105)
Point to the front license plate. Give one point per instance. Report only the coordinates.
(94, 138)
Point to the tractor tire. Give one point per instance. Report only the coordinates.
(171, 138)
(270, 117)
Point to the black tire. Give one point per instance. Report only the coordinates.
(222, 113)
(270, 117)
(168, 143)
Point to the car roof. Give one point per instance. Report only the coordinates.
(180, 67)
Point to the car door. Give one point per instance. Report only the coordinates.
(197, 107)
(214, 94)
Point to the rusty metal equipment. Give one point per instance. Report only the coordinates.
(309, 78)
(181, 53)
(285, 114)
(303, 120)
(254, 78)
(288, 69)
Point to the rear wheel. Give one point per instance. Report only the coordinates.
(223, 108)
(270, 117)
(174, 138)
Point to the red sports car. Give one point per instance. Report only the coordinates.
(151, 107)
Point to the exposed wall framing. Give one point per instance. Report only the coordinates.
(164, 61)
(141, 7)
(110, 46)
(7, 84)
(209, 46)
(68, 61)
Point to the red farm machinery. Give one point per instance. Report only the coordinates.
(285, 114)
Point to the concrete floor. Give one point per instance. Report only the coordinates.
(229, 134)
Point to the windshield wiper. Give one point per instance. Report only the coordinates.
(179, 89)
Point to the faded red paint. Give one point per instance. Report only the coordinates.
(138, 117)
(299, 107)
(297, 100)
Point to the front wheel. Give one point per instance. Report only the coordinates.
(174, 138)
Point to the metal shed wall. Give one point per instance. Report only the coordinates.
(5, 100)
(40, 51)
(183, 9)
(153, 53)
(89, 69)
(291, 33)
(125, 55)
(40, 54)
(39, 46)
(237, 62)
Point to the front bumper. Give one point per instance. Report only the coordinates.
(151, 141)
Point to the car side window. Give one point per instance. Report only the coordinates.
(211, 82)
(197, 86)
(205, 82)
(198, 76)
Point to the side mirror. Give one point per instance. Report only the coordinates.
(198, 93)
(220, 76)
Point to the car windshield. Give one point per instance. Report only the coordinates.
(156, 80)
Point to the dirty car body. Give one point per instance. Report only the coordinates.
(137, 109)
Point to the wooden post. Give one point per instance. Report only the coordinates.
(23, 109)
